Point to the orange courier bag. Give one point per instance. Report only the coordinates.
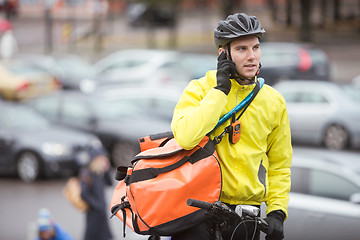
(151, 198)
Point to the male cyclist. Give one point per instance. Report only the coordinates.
(255, 169)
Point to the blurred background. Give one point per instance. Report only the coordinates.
(111, 71)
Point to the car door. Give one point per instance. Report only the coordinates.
(77, 113)
(319, 206)
(6, 150)
(308, 115)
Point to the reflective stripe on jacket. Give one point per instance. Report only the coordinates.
(257, 168)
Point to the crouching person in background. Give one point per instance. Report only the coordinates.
(48, 229)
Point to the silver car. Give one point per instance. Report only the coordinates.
(322, 113)
(150, 67)
(325, 195)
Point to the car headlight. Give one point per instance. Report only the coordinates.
(55, 149)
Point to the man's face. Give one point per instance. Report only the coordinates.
(46, 235)
(245, 52)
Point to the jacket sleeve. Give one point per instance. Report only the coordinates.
(61, 234)
(196, 114)
(280, 156)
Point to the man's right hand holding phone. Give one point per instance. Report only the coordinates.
(225, 68)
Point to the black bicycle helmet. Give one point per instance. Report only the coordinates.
(235, 26)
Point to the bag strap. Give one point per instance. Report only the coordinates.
(150, 173)
(122, 206)
(244, 104)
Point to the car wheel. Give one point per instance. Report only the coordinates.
(123, 153)
(28, 166)
(336, 137)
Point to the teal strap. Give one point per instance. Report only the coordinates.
(238, 107)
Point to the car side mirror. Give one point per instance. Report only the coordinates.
(355, 198)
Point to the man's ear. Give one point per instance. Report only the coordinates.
(221, 50)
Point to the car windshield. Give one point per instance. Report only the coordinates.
(23, 69)
(116, 109)
(133, 104)
(285, 56)
(76, 66)
(21, 118)
(203, 64)
(352, 91)
(123, 60)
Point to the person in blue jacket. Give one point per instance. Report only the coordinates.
(48, 229)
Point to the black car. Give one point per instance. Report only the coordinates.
(32, 147)
(117, 122)
(285, 60)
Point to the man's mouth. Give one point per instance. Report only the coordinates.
(250, 66)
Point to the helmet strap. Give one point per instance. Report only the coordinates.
(229, 52)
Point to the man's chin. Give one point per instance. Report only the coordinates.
(249, 76)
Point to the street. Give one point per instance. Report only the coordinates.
(20, 203)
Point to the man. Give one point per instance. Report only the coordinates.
(256, 169)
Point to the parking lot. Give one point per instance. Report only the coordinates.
(20, 202)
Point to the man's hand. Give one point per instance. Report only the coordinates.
(275, 219)
(225, 68)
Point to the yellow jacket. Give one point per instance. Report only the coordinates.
(257, 168)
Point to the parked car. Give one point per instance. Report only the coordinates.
(157, 102)
(353, 90)
(151, 67)
(19, 82)
(321, 113)
(356, 81)
(69, 69)
(285, 60)
(140, 14)
(325, 195)
(32, 147)
(118, 118)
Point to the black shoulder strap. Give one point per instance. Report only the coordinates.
(255, 92)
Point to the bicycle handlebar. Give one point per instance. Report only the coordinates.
(199, 204)
(240, 211)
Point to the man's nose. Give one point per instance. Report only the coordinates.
(251, 54)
